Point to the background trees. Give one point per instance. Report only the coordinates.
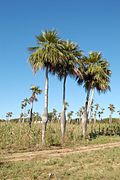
(112, 109)
(35, 91)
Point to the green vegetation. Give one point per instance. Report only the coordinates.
(16, 137)
(96, 165)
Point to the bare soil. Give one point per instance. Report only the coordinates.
(45, 154)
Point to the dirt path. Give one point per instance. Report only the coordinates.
(45, 154)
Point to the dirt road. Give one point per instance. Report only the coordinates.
(45, 154)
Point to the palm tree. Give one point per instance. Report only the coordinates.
(79, 113)
(64, 69)
(35, 91)
(69, 115)
(119, 115)
(54, 115)
(96, 75)
(9, 115)
(112, 109)
(45, 56)
(24, 103)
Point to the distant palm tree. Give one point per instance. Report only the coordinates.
(24, 103)
(35, 91)
(9, 115)
(112, 109)
(45, 56)
(69, 116)
(79, 113)
(54, 115)
(119, 115)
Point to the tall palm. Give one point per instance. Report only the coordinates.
(67, 68)
(45, 56)
(35, 91)
(112, 109)
(96, 75)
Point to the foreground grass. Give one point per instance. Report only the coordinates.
(102, 164)
(18, 137)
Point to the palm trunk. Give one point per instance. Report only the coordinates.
(110, 119)
(85, 116)
(84, 122)
(63, 115)
(31, 115)
(45, 113)
(91, 99)
(87, 100)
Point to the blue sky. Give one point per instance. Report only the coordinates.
(93, 24)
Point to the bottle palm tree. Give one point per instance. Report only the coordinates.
(35, 91)
(96, 75)
(112, 109)
(45, 56)
(64, 69)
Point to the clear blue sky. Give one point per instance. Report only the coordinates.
(94, 24)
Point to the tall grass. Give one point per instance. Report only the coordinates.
(19, 136)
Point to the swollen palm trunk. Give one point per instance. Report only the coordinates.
(110, 119)
(84, 123)
(45, 114)
(63, 124)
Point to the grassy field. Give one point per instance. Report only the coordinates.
(99, 164)
(17, 137)
(102, 164)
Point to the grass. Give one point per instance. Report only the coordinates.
(100, 164)
(95, 165)
(17, 137)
